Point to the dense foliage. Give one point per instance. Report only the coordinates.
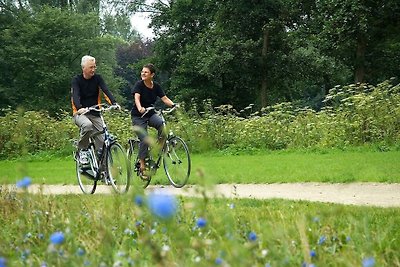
(353, 115)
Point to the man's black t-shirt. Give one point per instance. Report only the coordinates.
(148, 96)
(86, 92)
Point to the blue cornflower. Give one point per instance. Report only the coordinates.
(139, 200)
(3, 262)
(131, 262)
(80, 252)
(57, 238)
(348, 239)
(24, 182)
(252, 236)
(321, 240)
(313, 253)
(218, 261)
(128, 231)
(368, 262)
(201, 222)
(162, 205)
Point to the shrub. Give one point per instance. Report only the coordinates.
(353, 115)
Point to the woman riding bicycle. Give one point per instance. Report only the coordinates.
(145, 94)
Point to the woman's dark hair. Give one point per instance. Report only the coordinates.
(150, 67)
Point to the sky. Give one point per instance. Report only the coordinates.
(140, 22)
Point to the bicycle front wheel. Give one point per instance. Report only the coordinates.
(118, 168)
(86, 181)
(177, 161)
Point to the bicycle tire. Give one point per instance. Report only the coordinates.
(118, 168)
(87, 183)
(133, 153)
(176, 159)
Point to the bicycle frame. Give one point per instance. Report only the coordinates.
(110, 166)
(97, 163)
(157, 163)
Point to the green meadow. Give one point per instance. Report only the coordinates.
(333, 166)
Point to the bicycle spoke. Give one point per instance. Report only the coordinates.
(133, 151)
(86, 182)
(177, 163)
(118, 168)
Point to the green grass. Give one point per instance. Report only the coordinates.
(111, 230)
(277, 167)
(334, 166)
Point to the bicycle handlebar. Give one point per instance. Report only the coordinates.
(147, 110)
(101, 108)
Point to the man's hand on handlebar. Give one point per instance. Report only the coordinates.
(82, 111)
(117, 106)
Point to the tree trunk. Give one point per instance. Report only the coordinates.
(359, 73)
(264, 78)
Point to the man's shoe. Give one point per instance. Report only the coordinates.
(83, 157)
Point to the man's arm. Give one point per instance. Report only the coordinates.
(76, 97)
(108, 95)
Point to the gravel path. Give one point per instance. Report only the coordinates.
(363, 194)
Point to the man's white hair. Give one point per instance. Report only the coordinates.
(86, 59)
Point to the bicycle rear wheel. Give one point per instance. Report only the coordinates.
(177, 161)
(118, 168)
(133, 153)
(86, 182)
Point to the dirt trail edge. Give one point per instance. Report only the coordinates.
(363, 194)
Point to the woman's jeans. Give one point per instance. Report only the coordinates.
(141, 124)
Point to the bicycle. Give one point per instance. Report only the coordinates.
(174, 155)
(110, 165)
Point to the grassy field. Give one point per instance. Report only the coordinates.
(126, 230)
(267, 167)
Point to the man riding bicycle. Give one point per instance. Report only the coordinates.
(85, 92)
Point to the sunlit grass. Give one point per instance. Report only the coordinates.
(104, 230)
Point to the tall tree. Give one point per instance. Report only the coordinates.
(352, 30)
(41, 52)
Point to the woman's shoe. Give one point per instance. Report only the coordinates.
(143, 175)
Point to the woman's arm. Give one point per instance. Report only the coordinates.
(167, 101)
(138, 104)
